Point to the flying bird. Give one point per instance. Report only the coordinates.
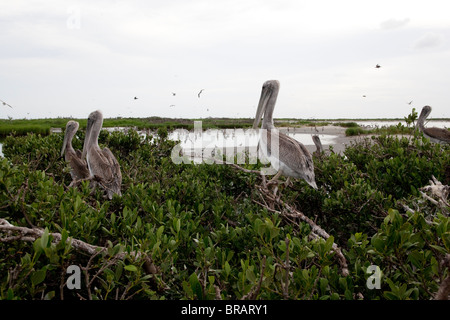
(6, 104)
(174, 94)
(292, 159)
(101, 163)
(135, 98)
(172, 105)
(410, 102)
(200, 92)
(377, 66)
(79, 169)
(437, 135)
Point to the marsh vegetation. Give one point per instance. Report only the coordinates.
(206, 231)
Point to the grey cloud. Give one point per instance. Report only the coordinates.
(428, 40)
(394, 23)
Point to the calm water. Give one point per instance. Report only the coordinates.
(387, 123)
(236, 138)
(230, 138)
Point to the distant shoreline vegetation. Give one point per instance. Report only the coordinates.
(21, 127)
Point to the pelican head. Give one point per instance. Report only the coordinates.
(94, 124)
(425, 112)
(71, 129)
(267, 102)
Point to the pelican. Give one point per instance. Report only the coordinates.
(101, 163)
(73, 157)
(437, 135)
(292, 159)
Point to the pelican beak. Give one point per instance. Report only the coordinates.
(313, 184)
(71, 129)
(263, 100)
(86, 138)
(64, 144)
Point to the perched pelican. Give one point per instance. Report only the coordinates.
(292, 159)
(101, 163)
(437, 135)
(73, 157)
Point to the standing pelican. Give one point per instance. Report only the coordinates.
(102, 163)
(292, 158)
(79, 169)
(437, 135)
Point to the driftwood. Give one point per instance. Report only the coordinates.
(444, 289)
(14, 233)
(438, 194)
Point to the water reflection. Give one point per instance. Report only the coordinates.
(199, 145)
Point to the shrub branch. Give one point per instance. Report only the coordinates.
(14, 233)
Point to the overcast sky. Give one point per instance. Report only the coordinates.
(68, 58)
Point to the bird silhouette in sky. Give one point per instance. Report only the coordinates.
(200, 92)
(377, 66)
(6, 104)
(135, 98)
(174, 94)
(410, 102)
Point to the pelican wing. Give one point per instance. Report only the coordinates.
(113, 164)
(295, 155)
(99, 165)
(79, 169)
(291, 152)
(438, 133)
(115, 181)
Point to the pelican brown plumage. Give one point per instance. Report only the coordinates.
(291, 159)
(101, 163)
(437, 135)
(79, 169)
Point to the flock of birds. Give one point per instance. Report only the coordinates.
(287, 156)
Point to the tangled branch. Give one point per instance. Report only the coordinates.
(444, 289)
(290, 212)
(14, 233)
(316, 232)
(437, 191)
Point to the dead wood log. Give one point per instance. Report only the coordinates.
(14, 233)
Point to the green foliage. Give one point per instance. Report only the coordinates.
(354, 131)
(349, 124)
(203, 228)
(411, 118)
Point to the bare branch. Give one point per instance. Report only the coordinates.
(255, 290)
(444, 289)
(31, 234)
(290, 212)
(287, 266)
